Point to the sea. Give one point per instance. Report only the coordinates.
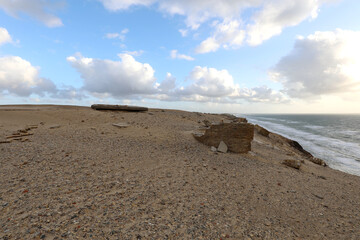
(333, 138)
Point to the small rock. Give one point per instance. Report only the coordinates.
(213, 149)
(292, 163)
(222, 147)
(54, 126)
(207, 123)
(121, 125)
(318, 196)
(318, 161)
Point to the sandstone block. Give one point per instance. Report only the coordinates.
(237, 136)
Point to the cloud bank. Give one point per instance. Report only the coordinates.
(323, 63)
(128, 78)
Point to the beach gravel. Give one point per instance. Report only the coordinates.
(87, 179)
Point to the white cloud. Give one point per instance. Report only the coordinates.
(18, 76)
(227, 35)
(321, 64)
(175, 55)
(267, 17)
(115, 5)
(213, 85)
(200, 11)
(4, 36)
(278, 14)
(209, 82)
(183, 32)
(208, 45)
(38, 9)
(261, 94)
(131, 79)
(120, 35)
(134, 53)
(118, 78)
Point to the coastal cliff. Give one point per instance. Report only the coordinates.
(73, 172)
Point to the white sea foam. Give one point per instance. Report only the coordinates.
(315, 127)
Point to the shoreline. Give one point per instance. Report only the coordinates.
(79, 175)
(312, 138)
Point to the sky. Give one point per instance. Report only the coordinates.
(235, 56)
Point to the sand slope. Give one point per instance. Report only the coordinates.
(78, 176)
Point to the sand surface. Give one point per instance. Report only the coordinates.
(76, 176)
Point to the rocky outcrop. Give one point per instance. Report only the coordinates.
(233, 118)
(262, 131)
(118, 108)
(296, 148)
(236, 136)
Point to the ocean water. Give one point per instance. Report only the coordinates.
(333, 138)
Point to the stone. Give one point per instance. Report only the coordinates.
(118, 108)
(222, 147)
(121, 125)
(292, 163)
(318, 161)
(237, 136)
(54, 126)
(213, 149)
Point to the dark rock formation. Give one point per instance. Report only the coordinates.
(237, 136)
(297, 148)
(118, 108)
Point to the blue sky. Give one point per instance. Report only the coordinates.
(275, 56)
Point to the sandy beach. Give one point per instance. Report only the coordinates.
(71, 174)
